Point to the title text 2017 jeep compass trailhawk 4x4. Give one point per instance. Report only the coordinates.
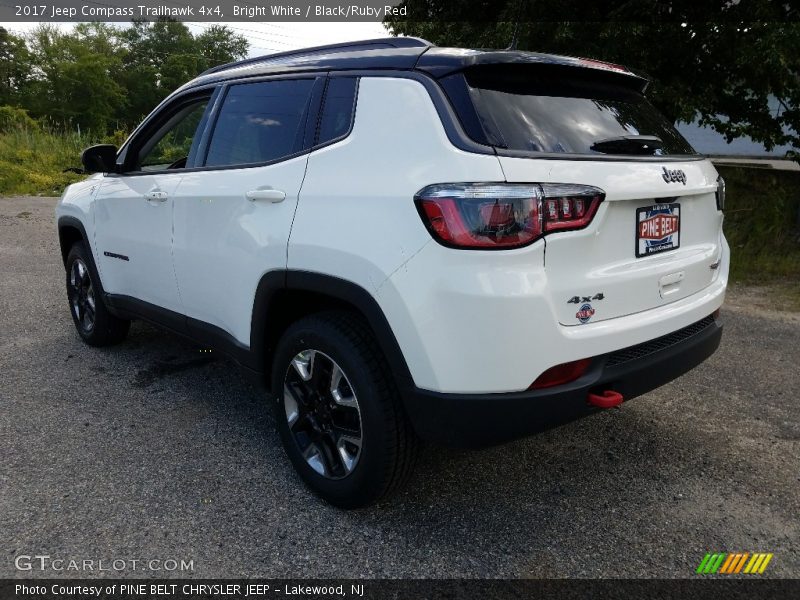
(407, 241)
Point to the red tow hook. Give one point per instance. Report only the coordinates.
(609, 399)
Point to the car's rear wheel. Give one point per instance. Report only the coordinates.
(338, 411)
(94, 323)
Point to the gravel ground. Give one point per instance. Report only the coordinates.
(151, 450)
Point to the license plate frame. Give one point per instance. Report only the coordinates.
(658, 229)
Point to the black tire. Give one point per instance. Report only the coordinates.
(388, 446)
(94, 323)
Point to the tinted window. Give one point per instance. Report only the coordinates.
(260, 122)
(172, 144)
(337, 114)
(522, 110)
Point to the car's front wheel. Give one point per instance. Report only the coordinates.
(94, 323)
(338, 411)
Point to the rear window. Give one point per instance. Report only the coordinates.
(554, 111)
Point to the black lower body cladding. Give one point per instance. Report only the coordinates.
(479, 420)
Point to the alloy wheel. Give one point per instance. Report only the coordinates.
(81, 295)
(323, 414)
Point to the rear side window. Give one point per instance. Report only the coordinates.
(578, 112)
(338, 110)
(260, 122)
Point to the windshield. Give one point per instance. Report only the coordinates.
(521, 111)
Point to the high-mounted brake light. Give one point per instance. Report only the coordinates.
(504, 215)
(601, 64)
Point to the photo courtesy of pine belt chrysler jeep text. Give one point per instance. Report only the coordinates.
(404, 242)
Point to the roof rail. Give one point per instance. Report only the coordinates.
(390, 42)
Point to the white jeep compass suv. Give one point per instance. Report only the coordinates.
(402, 241)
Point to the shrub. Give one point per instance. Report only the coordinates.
(12, 118)
(761, 220)
(117, 138)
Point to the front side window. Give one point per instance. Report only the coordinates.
(170, 146)
(260, 122)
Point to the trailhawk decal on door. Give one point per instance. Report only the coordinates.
(658, 229)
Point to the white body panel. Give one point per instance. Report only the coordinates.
(130, 225)
(78, 202)
(356, 218)
(491, 322)
(601, 258)
(224, 242)
(483, 322)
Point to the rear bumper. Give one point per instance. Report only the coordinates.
(475, 420)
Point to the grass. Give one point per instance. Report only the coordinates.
(32, 161)
(762, 225)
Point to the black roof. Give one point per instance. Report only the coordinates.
(402, 53)
(341, 48)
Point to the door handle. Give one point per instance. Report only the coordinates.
(156, 196)
(269, 194)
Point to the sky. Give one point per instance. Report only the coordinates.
(266, 38)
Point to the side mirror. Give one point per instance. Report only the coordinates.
(100, 159)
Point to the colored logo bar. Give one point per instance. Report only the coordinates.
(731, 563)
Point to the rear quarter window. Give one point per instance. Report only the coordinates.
(338, 109)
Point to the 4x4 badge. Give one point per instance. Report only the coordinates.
(579, 299)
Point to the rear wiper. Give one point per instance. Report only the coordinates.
(629, 144)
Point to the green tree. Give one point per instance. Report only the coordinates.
(720, 61)
(169, 48)
(104, 77)
(74, 75)
(14, 67)
(163, 55)
(219, 45)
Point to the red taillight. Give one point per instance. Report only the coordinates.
(561, 374)
(574, 206)
(499, 216)
(485, 223)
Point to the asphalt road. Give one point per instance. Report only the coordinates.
(150, 450)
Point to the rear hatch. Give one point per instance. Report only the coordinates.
(656, 237)
(595, 273)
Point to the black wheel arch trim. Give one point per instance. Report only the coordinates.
(69, 222)
(334, 287)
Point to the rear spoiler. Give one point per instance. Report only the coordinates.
(441, 62)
